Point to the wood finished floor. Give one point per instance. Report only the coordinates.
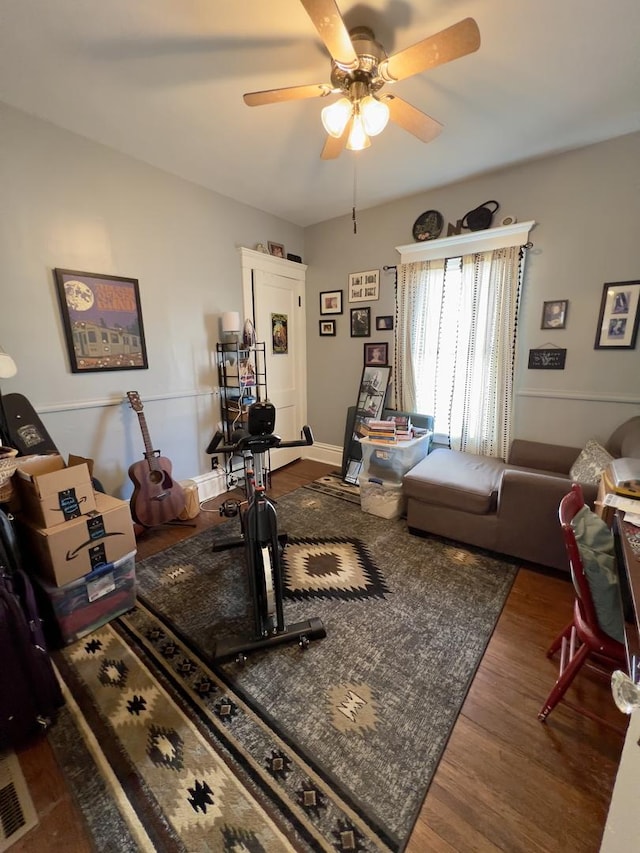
(505, 781)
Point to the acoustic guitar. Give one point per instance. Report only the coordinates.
(156, 498)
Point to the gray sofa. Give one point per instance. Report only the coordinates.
(509, 507)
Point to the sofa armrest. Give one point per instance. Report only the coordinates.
(543, 457)
(528, 524)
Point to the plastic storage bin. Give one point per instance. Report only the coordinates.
(77, 608)
(385, 500)
(390, 463)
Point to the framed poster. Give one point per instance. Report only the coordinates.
(102, 320)
(619, 315)
(279, 333)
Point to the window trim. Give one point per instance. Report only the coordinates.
(466, 244)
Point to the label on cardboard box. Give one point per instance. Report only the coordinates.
(71, 550)
(52, 493)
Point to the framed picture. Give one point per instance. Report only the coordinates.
(376, 354)
(279, 333)
(276, 249)
(327, 328)
(364, 286)
(554, 314)
(619, 315)
(384, 324)
(360, 322)
(370, 404)
(102, 320)
(331, 302)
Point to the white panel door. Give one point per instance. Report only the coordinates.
(278, 309)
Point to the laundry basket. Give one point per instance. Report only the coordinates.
(8, 465)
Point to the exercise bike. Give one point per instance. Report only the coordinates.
(263, 545)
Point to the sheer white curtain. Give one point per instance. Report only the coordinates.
(455, 345)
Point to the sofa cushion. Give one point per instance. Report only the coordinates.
(595, 543)
(452, 478)
(589, 466)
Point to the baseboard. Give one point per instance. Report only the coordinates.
(328, 453)
(211, 484)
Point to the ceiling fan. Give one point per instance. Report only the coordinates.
(359, 70)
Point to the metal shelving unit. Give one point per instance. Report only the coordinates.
(242, 378)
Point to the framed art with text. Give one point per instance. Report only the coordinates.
(619, 315)
(364, 286)
(102, 320)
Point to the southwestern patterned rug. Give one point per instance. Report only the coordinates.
(332, 748)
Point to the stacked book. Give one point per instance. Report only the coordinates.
(404, 429)
(380, 431)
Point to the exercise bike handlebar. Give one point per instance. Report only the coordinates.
(258, 443)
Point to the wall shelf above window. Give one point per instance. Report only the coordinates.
(467, 243)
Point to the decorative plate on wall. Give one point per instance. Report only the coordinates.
(428, 225)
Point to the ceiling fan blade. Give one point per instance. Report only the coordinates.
(456, 41)
(328, 21)
(334, 146)
(292, 93)
(411, 119)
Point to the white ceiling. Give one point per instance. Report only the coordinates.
(162, 80)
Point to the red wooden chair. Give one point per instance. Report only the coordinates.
(582, 640)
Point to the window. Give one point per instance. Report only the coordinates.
(455, 342)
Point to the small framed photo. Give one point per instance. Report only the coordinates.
(364, 286)
(619, 316)
(376, 354)
(554, 314)
(276, 249)
(331, 302)
(360, 322)
(327, 328)
(384, 324)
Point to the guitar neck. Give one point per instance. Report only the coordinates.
(148, 447)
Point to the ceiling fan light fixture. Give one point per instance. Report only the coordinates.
(375, 115)
(335, 117)
(358, 138)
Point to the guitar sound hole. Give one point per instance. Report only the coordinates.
(156, 477)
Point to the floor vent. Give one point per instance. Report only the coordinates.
(17, 812)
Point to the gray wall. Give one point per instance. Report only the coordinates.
(586, 204)
(69, 203)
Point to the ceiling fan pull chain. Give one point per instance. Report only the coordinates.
(355, 188)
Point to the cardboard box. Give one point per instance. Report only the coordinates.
(68, 551)
(78, 608)
(50, 492)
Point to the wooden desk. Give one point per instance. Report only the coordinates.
(628, 557)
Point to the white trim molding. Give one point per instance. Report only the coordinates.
(590, 396)
(466, 244)
(118, 401)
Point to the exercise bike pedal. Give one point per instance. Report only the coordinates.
(229, 508)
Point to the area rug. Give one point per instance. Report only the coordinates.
(329, 748)
(333, 484)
